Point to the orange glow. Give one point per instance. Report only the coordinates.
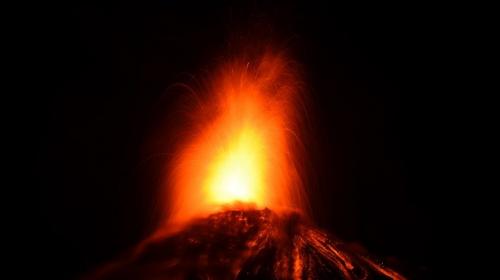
(236, 173)
(241, 143)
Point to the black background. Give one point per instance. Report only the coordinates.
(102, 78)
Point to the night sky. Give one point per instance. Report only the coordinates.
(103, 79)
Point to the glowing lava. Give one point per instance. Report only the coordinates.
(236, 174)
(242, 141)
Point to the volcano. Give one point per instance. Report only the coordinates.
(235, 202)
(246, 244)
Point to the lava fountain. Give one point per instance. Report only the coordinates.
(236, 206)
(244, 147)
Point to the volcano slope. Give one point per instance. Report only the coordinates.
(246, 244)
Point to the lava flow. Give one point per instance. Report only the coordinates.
(236, 202)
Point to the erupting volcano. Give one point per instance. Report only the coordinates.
(235, 202)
